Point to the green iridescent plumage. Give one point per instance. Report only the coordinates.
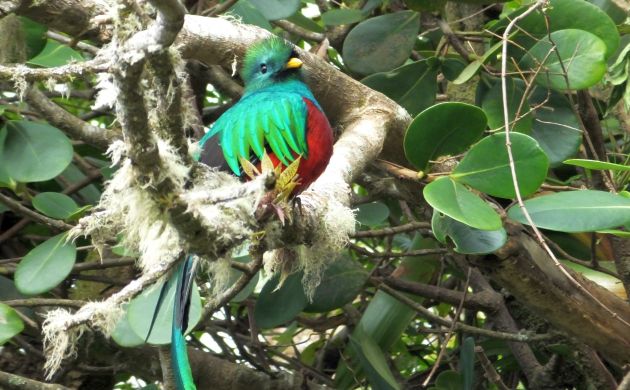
(272, 111)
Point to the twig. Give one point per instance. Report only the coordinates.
(35, 216)
(67, 122)
(16, 382)
(390, 231)
(73, 43)
(490, 373)
(230, 293)
(299, 31)
(460, 306)
(458, 326)
(37, 302)
(417, 252)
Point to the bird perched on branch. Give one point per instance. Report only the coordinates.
(277, 121)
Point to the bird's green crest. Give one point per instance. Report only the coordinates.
(265, 63)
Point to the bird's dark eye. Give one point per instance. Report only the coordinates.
(263, 68)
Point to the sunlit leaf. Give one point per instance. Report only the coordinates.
(576, 211)
(456, 201)
(486, 166)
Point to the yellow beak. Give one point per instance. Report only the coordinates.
(293, 63)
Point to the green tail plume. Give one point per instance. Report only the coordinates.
(179, 353)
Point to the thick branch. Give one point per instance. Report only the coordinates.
(69, 123)
(526, 271)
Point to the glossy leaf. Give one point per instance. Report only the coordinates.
(372, 214)
(556, 128)
(451, 127)
(381, 43)
(595, 164)
(467, 240)
(339, 16)
(517, 104)
(34, 151)
(45, 266)
(276, 306)
(341, 283)
(413, 86)
(10, 323)
(373, 361)
(576, 211)
(582, 56)
(456, 201)
(566, 14)
(486, 166)
(55, 204)
(55, 54)
(141, 308)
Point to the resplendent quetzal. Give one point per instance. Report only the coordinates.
(278, 116)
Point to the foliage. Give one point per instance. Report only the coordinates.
(454, 192)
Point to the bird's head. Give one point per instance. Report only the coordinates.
(268, 62)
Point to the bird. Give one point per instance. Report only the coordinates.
(277, 118)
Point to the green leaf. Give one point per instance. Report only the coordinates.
(381, 43)
(582, 56)
(55, 204)
(141, 308)
(299, 19)
(276, 9)
(492, 105)
(451, 127)
(413, 86)
(556, 127)
(372, 214)
(35, 36)
(277, 306)
(45, 266)
(10, 323)
(467, 363)
(123, 335)
(34, 151)
(467, 240)
(595, 164)
(566, 14)
(576, 211)
(456, 201)
(249, 14)
(486, 166)
(452, 67)
(341, 283)
(372, 361)
(55, 54)
(339, 16)
(449, 380)
(471, 69)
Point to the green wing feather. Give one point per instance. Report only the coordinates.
(274, 118)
